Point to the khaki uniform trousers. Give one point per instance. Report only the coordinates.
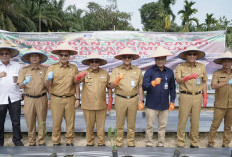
(126, 108)
(92, 117)
(162, 123)
(36, 107)
(63, 107)
(189, 104)
(219, 114)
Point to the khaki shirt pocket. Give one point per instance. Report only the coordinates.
(89, 82)
(222, 79)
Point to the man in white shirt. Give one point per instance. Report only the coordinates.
(10, 96)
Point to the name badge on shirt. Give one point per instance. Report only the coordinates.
(198, 81)
(132, 83)
(102, 77)
(166, 85)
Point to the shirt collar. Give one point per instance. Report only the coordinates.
(61, 65)
(122, 67)
(90, 70)
(33, 68)
(157, 69)
(224, 70)
(188, 64)
(10, 63)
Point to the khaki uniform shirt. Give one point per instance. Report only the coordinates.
(63, 81)
(128, 86)
(184, 69)
(94, 90)
(223, 95)
(36, 86)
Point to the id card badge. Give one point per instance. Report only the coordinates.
(166, 85)
(132, 83)
(198, 81)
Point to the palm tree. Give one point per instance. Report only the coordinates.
(72, 21)
(210, 22)
(187, 12)
(168, 12)
(11, 19)
(45, 17)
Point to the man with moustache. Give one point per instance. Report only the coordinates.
(127, 81)
(222, 83)
(31, 79)
(95, 82)
(62, 90)
(192, 79)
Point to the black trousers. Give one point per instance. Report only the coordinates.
(14, 111)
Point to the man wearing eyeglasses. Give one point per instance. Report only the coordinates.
(10, 96)
(31, 79)
(127, 81)
(159, 82)
(191, 77)
(95, 82)
(62, 89)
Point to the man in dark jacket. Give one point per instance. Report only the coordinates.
(159, 83)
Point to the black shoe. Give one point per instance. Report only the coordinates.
(18, 143)
(132, 146)
(225, 146)
(193, 146)
(90, 145)
(57, 144)
(209, 146)
(69, 144)
(101, 145)
(148, 146)
(44, 144)
(32, 145)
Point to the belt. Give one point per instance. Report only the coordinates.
(127, 97)
(37, 96)
(63, 96)
(189, 93)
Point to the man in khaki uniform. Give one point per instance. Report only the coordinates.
(127, 81)
(191, 77)
(61, 79)
(31, 79)
(222, 83)
(94, 97)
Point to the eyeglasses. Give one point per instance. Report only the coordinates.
(127, 56)
(4, 54)
(192, 54)
(94, 61)
(62, 55)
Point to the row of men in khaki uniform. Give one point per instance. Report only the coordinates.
(62, 80)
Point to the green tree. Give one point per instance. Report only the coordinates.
(167, 13)
(106, 18)
(187, 12)
(45, 17)
(11, 19)
(152, 15)
(72, 20)
(210, 22)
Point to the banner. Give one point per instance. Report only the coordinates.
(109, 43)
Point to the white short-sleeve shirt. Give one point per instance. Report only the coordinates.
(8, 87)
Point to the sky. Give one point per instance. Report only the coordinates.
(219, 8)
